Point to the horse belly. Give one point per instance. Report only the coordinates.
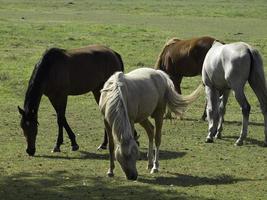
(144, 113)
(188, 67)
(81, 87)
(145, 107)
(85, 80)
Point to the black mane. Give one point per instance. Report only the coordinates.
(39, 77)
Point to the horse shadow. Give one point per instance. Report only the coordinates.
(184, 180)
(163, 154)
(56, 185)
(248, 140)
(239, 123)
(84, 155)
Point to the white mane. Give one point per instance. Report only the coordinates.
(114, 107)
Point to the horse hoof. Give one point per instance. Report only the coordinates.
(209, 140)
(204, 118)
(154, 170)
(75, 147)
(149, 167)
(110, 174)
(218, 136)
(56, 149)
(238, 143)
(168, 116)
(102, 147)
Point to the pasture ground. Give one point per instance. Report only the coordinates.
(189, 168)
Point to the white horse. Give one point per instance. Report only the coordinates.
(228, 67)
(131, 98)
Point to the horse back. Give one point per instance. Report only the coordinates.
(85, 69)
(227, 66)
(145, 89)
(185, 57)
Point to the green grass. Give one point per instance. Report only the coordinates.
(189, 168)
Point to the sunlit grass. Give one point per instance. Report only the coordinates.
(189, 168)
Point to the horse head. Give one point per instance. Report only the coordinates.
(29, 125)
(126, 154)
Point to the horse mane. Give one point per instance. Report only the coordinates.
(39, 75)
(120, 59)
(115, 108)
(158, 64)
(172, 41)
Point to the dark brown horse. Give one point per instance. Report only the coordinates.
(181, 58)
(61, 73)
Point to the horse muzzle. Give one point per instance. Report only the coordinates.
(30, 151)
(132, 176)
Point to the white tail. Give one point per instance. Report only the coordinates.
(176, 102)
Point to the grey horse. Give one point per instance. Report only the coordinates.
(226, 67)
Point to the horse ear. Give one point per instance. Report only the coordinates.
(21, 111)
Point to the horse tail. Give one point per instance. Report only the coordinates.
(120, 60)
(176, 102)
(113, 106)
(256, 78)
(159, 63)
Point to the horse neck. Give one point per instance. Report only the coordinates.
(125, 125)
(117, 112)
(34, 92)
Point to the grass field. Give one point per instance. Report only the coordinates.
(189, 168)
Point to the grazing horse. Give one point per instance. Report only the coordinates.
(180, 58)
(228, 67)
(132, 98)
(61, 73)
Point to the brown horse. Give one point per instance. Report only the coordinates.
(180, 58)
(61, 73)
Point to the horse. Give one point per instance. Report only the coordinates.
(60, 73)
(180, 58)
(132, 98)
(228, 67)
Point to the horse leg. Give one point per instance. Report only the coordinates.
(59, 103)
(177, 83)
(242, 101)
(264, 112)
(146, 124)
(263, 104)
(212, 96)
(111, 150)
(204, 115)
(158, 123)
(71, 135)
(59, 141)
(223, 102)
(105, 139)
